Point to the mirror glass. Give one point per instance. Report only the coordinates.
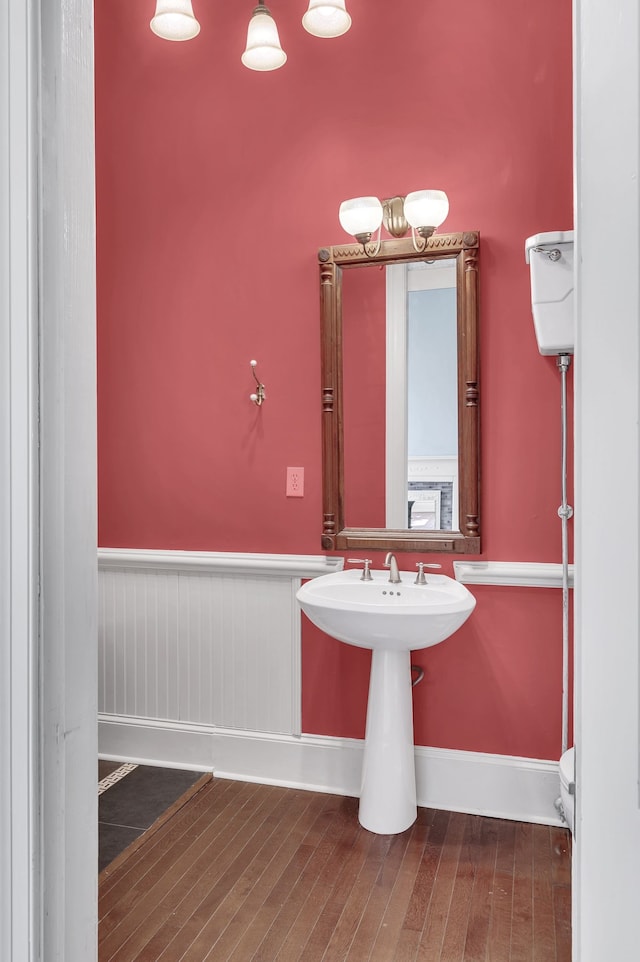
(401, 376)
(400, 395)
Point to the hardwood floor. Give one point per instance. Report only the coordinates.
(252, 872)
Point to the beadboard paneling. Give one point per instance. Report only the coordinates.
(204, 644)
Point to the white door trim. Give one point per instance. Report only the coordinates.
(68, 535)
(19, 843)
(48, 630)
(606, 868)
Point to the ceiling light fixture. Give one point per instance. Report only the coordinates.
(263, 50)
(422, 211)
(175, 20)
(326, 18)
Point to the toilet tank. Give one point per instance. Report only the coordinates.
(550, 260)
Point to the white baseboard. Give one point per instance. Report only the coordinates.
(501, 786)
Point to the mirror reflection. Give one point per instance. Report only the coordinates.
(429, 315)
(400, 366)
(407, 358)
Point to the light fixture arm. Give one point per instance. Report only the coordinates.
(425, 233)
(364, 240)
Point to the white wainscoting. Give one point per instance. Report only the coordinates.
(203, 638)
(200, 668)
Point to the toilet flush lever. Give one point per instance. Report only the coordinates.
(420, 577)
(366, 574)
(553, 255)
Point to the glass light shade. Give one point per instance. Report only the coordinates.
(326, 18)
(174, 20)
(360, 215)
(426, 208)
(263, 50)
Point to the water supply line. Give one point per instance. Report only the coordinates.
(565, 511)
(419, 673)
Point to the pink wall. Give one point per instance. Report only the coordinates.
(215, 188)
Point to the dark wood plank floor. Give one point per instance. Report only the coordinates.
(252, 872)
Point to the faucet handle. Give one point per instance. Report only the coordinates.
(366, 574)
(420, 577)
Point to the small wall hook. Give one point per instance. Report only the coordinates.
(259, 395)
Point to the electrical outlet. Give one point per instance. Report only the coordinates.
(295, 482)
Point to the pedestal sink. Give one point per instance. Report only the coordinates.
(392, 620)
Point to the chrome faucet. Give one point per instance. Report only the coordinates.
(391, 563)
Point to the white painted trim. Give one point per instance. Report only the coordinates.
(48, 732)
(501, 786)
(68, 650)
(433, 468)
(422, 276)
(515, 573)
(145, 741)
(20, 863)
(605, 863)
(297, 566)
(154, 763)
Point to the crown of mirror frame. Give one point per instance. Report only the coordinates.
(421, 211)
(175, 20)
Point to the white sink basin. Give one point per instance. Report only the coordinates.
(392, 620)
(379, 615)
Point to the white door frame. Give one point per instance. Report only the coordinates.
(48, 639)
(19, 486)
(606, 866)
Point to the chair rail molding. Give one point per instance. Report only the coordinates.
(527, 574)
(299, 566)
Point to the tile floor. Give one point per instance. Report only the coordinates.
(130, 805)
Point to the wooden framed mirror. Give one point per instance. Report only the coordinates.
(400, 396)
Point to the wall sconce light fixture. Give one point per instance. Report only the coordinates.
(362, 217)
(422, 211)
(175, 20)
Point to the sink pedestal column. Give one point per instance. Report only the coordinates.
(388, 793)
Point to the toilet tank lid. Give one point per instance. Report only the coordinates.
(547, 240)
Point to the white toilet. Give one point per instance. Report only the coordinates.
(568, 785)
